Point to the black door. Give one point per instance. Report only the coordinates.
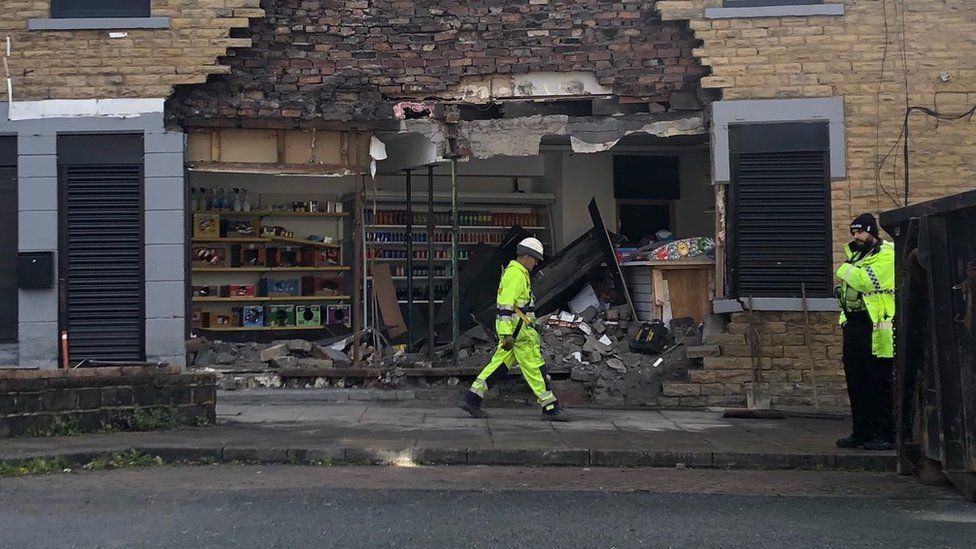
(8, 239)
(102, 246)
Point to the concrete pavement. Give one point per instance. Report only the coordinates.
(301, 427)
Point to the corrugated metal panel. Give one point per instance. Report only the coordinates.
(103, 257)
(781, 224)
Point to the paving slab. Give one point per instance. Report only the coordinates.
(298, 428)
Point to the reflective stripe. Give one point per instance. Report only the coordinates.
(884, 325)
(847, 273)
(873, 277)
(479, 388)
(547, 398)
(885, 292)
(503, 307)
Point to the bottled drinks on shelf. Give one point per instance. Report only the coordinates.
(466, 218)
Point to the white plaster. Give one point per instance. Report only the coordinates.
(74, 108)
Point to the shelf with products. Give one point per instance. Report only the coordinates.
(252, 268)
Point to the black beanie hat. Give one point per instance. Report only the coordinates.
(867, 223)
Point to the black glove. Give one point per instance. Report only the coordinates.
(508, 342)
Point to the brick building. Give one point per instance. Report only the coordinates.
(566, 100)
(81, 117)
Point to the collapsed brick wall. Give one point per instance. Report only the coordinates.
(51, 402)
(346, 60)
(790, 357)
(147, 63)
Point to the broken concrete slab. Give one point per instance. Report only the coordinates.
(298, 345)
(225, 358)
(273, 352)
(284, 362)
(197, 344)
(617, 364)
(315, 363)
(339, 358)
(703, 351)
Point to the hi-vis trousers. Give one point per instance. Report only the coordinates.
(527, 353)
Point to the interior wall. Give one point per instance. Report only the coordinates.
(575, 179)
(695, 212)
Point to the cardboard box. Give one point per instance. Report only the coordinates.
(339, 314)
(238, 228)
(313, 285)
(206, 291)
(287, 256)
(238, 290)
(197, 318)
(206, 226)
(208, 256)
(308, 315)
(281, 315)
(251, 255)
(272, 287)
(252, 316)
(320, 257)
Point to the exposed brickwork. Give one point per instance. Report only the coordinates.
(88, 64)
(36, 402)
(790, 357)
(855, 57)
(315, 60)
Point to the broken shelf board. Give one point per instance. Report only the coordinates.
(420, 301)
(254, 299)
(260, 328)
(300, 242)
(329, 372)
(266, 269)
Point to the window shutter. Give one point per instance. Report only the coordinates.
(780, 204)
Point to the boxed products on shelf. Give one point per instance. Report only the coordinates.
(272, 287)
(252, 316)
(281, 315)
(208, 256)
(308, 315)
(339, 314)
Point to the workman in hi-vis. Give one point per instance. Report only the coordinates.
(866, 295)
(519, 341)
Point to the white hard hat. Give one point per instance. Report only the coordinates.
(530, 247)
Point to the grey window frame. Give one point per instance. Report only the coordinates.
(68, 9)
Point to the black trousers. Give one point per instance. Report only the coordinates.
(869, 382)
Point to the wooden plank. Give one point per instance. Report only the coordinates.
(689, 293)
(386, 297)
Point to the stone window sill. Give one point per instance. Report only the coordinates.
(775, 11)
(97, 23)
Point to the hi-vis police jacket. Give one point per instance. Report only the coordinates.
(869, 283)
(514, 290)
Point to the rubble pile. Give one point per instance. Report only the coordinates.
(590, 354)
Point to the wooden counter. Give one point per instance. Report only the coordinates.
(670, 289)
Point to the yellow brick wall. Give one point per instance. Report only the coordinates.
(801, 57)
(87, 64)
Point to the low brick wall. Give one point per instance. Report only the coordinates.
(791, 354)
(60, 402)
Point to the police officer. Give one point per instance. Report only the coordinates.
(867, 299)
(519, 341)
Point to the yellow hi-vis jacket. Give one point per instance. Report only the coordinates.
(514, 290)
(869, 283)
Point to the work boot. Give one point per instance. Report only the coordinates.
(473, 409)
(878, 445)
(555, 415)
(849, 442)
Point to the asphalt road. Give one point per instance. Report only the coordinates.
(282, 506)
